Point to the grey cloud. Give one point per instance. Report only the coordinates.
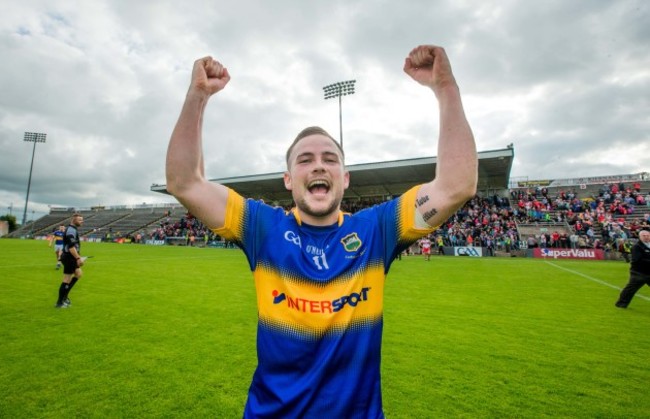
(566, 82)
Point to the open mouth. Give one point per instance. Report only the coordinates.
(318, 187)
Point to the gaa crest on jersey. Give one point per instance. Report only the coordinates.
(351, 242)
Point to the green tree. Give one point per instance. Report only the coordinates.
(12, 221)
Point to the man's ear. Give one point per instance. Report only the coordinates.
(287, 180)
(346, 180)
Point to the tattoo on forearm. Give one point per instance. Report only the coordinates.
(420, 201)
(429, 214)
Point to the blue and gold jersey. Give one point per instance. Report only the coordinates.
(320, 297)
(58, 238)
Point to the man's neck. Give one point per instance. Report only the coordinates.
(324, 221)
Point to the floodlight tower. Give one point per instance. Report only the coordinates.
(34, 137)
(339, 89)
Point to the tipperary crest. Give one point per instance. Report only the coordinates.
(351, 242)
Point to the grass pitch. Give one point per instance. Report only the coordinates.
(170, 332)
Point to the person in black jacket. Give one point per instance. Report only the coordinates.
(639, 269)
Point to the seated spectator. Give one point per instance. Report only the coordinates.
(578, 226)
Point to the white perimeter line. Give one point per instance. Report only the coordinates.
(103, 260)
(594, 279)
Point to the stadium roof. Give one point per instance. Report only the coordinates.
(388, 178)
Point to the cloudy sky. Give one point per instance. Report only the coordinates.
(567, 82)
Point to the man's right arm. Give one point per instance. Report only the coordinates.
(185, 168)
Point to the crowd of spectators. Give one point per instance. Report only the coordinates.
(481, 222)
(187, 228)
(596, 221)
(593, 221)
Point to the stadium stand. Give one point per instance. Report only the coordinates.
(506, 215)
(101, 221)
(46, 223)
(138, 219)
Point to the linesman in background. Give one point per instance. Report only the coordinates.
(71, 260)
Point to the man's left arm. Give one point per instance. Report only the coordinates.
(456, 174)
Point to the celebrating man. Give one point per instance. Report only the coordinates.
(319, 273)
